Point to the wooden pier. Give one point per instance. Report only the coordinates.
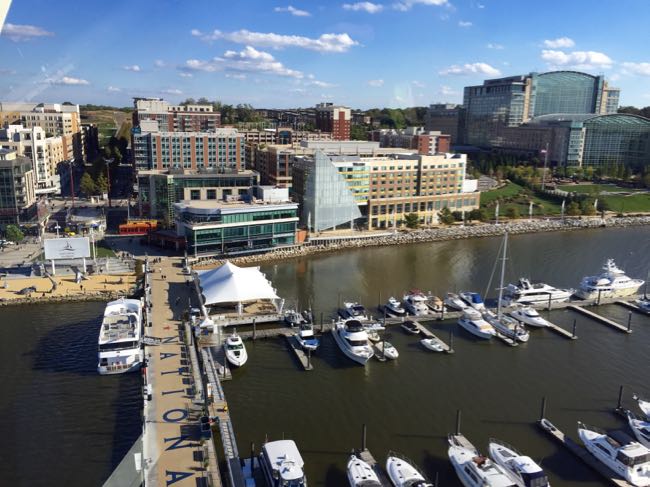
(632, 306)
(600, 318)
(303, 358)
(424, 331)
(367, 457)
(561, 331)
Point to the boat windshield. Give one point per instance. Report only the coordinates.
(357, 343)
(107, 347)
(476, 299)
(239, 346)
(535, 479)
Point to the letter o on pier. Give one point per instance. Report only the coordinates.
(174, 415)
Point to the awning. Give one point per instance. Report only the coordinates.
(231, 284)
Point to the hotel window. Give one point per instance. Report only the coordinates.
(195, 194)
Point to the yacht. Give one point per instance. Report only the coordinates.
(521, 469)
(410, 327)
(235, 350)
(402, 473)
(455, 302)
(472, 468)
(394, 308)
(415, 303)
(120, 337)
(640, 428)
(306, 337)
(435, 304)
(611, 283)
(432, 344)
(473, 300)
(644, 406)
(387, 349)
(353, 310)
(360, 474)
(532, 292)
(282, 464)
(529, 316)
(630, 461)
(352, 339)
(507, 326)
(474, 323)
(293, 318)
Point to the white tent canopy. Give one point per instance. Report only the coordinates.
(231, 284)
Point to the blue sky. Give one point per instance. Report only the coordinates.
(300, 52)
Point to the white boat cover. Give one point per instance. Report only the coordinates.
(231, 284)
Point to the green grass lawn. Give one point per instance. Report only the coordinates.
(103, 250)
(541, 206)
(507, 191)
(595, 188)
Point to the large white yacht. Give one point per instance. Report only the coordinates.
(402, 472)
(353, 310)
(611, 283)
(521, 469)
(472, 468)
(531, 292)
(360, 474)
(416, 303)
(282, 464)
(473, 300)
(474, 323)
(630, 461)
(352, 339)
(235, 350)
(120, 337)
(640, 428)
(529, 316)
(507, 326)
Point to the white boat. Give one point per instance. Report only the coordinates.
(360, 474)
(474, 469)
(282, 464)
(120, 337)
(532, 292)
(640, 428)
(432, 344)
(611, 283)
(473, 300)
(353, 310)
(454, 301)
(644, 406)
(644, 305)
(235, 350)
(410, 327)
(474, 323)
(520, 468)
(630, 461)
(373, 336)
(402, 472)
(293, 318)
(388, 349)
(394, 308)
(306, 337)
(352, 339)
(435, 304)
(415, 303)
(529, 316)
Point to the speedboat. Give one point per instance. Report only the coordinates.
(293, 318)
(410, 327)
(529, 316)
(360, 474)
(644, 406)
(521, 469)
(373, 336)
(120, 337)
(235, 350)
(282, 464)
(533, 292)
(402, 472)
(507, 326)
(306, 337)
(435, 304)
(353, 310)
(473, 300)
(640, 428)
(388, 350)
(432, 344)
(455, 302)
(630, 461)
(352, 339)
(611, 283)
(394, 308)
(415, 303)
(474, 323)
(474, 469)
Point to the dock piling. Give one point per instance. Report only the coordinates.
(575, 322)
(629, 321)
(620, 398)
(542, 413)
(363, 436)
(599, 293)
(254, 330)
(458, 414)
(321, 322)
(436, 480)
(309, 358)
(451, 341)
(549, 302)
(252, 456)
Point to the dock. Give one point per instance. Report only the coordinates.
(581, 453)
(303, 358)
(599, 318)
(632, 306)
(367, 457)
(561, 331)
(506, 340)
(426, 333)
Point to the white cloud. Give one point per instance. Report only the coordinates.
(239, 76)
(471, 68)
(369, 7)
(492, 45)
(560, 42)
(247, 60)
(113, 89)
(577, 59)
(445, 90)
(637, 68)
(293, 11)
(324, 43)
(480, 5)
(133, 67)
(463, 23)
(418, 84)
(376, 83)
(21, 33)
(172, 91)
(184, 74)
(406, 5)
(67, 80)
(159, 63)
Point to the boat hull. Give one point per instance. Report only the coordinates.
(608, 293)
(473, 330)
(526, 320)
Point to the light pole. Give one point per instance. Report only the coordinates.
(71, 182)
(108, 162)
(545, 164)
(57, 230)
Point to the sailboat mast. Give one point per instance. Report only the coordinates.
(503, 271)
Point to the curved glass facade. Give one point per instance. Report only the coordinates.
(565, 92)
(616, 139)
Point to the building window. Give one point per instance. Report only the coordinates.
(212, 194)
(195, 194)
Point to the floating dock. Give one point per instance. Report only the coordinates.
(424, 331)
(561, 331)
(633, 307)
(600, 318)
(303, 358)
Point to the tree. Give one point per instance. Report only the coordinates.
(412, 220)
(87, 185)
(358, 132)
(14, 234)
(587, 207)
(573, 209)
(101, 183)
(458, 215)
(512, 212)
(445, 216)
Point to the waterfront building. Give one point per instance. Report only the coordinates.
(445, 118)
(175, 118)
(17, 188)
(335, 119)
(415, 138)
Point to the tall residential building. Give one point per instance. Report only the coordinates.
(175, 118)
(445, 118)
(511, 101)
(415, 138)
(17, 188)
(334, 119)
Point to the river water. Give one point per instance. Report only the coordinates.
(62, 424)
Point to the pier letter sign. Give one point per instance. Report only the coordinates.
(67, 248)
